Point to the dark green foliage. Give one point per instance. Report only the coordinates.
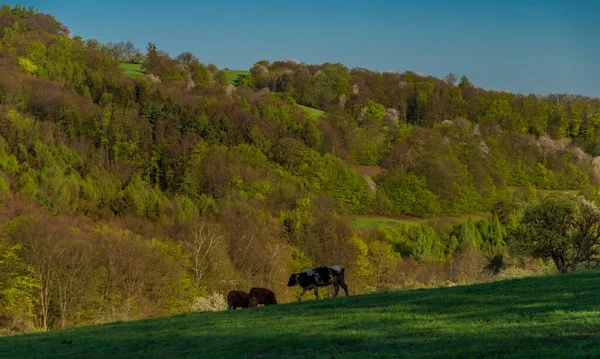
(567, 230)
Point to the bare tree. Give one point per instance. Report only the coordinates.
(44, 247)
(200, 245)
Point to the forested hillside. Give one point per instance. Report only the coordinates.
(127, 197)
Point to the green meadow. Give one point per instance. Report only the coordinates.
(313, 112)
(540, 317)
(367, 222)
(133, 70)
(232, 75)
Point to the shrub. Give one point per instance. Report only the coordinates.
(214, 302)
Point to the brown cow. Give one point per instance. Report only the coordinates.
(261, 296)
(237, 299)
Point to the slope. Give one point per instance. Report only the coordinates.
(531, 317)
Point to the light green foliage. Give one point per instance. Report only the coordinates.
(200, 74)
(363, 268)
(409, 194)
(145, 202)
(193, 181)
(184, 208)
(417, 242)
(27, 186)
(21, 122)
(426, 242)
(300, 262)
(493, 235)
(28, 65)
(207, 204)
(372, 115)
(17, 295)
(4, 190)
(369, 146)
(176, 294)
(221, 78)
(344, 184)
(36, 52)
(468, 231)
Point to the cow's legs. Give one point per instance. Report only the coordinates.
(317, 292)
(337, 289)
(301, 294)
(343, 285)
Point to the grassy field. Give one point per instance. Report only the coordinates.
(313, 112)
(133, 70)
(367, 222)
(232, 75)
(545, 192)
(543, 317)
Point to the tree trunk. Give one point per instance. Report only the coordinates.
(560, 262)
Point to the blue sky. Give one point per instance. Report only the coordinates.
(537, 47)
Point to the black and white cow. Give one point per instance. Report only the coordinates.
(319, 277)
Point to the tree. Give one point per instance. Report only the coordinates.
(200, 244)
(451, 78)
(464, 81)
(566, 229)
(186, 58)
(17, 290)
(200, 74)
(44, 246)
(372, 115)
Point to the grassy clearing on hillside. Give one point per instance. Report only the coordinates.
(545, 192)
(313, 112)
(371, 171)
(542, 317)
(368, 222)
(133, 70)
(232, 75)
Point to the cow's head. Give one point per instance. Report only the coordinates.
(293, 280)
(252, 302)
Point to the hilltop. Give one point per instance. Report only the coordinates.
(534, 318)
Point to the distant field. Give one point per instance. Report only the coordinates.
(543, 317)
(232, 75)
(545, 192)
(368, 222)
(369, 170)
(133, 70)
(313, 112)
